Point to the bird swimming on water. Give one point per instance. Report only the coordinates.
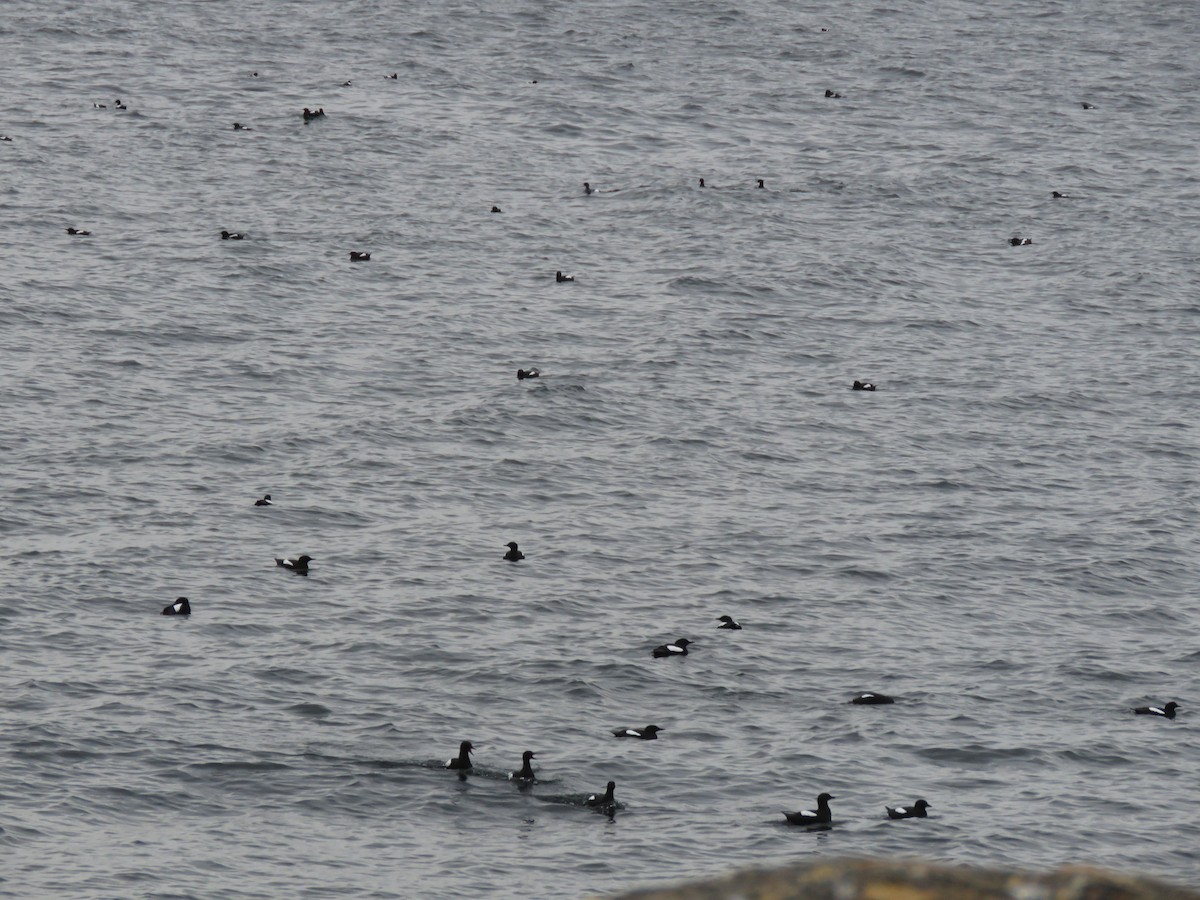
(604, 801)
(867, 698)
(463, 760)
(649, 733)
(729, 623)
(359, 256)
(513, 554)
(299, 565)
(232, 236)
(862, 386)
(78, 232)
(525, 773)
(522, 374)
(820, 816)
(180, 607)
(560, 277)
(1167, 710)
(265, 501)
(679, 648)
(916, 811)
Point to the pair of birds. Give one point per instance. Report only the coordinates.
(680, 647)
(117, 104)
(525, 775)
(823, 816)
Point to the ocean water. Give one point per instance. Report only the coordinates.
(1003, 535)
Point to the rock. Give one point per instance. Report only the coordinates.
(907, 880)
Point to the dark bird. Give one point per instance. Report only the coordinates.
(728, 622)
(702, 184)
(862, 386)
(309, 114)
(359, 256)
(1167, 710)
(605, 801)
(1020, 241)
(180, 607)
(560, 277)
(1059, 195)
(833, 95)
(525, 773)
(588, 189)
(393, 76)
(866, 698)
(78, 232)
(99, 106)
(1086, 105)
(6, 138)
(522, 374)
(916, 811)
(345, 84)
(265, 501)
(232, 236)
(513, 554)
(760, 184)
(117, 104)
(299, 565)
(679, 648)
(497, 209)
(463, 760)
(820, 816)
(649, 733)
(238, 126)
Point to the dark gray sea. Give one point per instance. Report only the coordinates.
(1003, 535)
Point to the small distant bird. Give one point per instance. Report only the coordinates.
(99, 106)
(78, 232)
(649, 733)
(497, 209)
(232, 236)
(866, 698)
(1086, 105)
(1020, 241)
(525, 773)
(463, 760)
(820, 816)
(1167, 711)
(760, 184)
(588, 189)
(728, 622)
(117, 104)
(255, 74)
(513, 554)
(560, 277)
(309, 114)
(180, 607)
(393, 76)
(702, 184)
(359, 256)
(862, 386)
(299, 565)
(916, 811)
(6, 138)
(522, 374)
(834, 95)
(605, 801)
(1059, 195)
(238, 126)
(265, 501)
(679, 648)
(345, 84)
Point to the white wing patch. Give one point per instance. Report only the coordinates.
(1157, 711)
